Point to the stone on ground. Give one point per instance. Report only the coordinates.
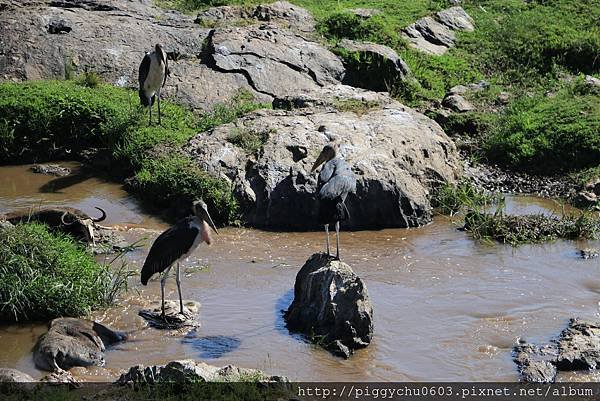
(8, 375)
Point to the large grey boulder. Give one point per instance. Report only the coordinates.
(190, 371)
(275, 61)
(398, 155)
(332, 305)
(8, 375)
(378, 66)
(436, 34)
(73, 342)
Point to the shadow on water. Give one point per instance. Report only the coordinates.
(58, 184)
(212, 347)
(282, 304)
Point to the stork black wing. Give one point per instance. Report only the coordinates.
(168, 247)
(144, 69)
(167, 72)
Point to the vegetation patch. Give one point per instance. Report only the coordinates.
(451, 199)
(357, 106)
(515, 230)
(548, 134)
(249, 139)
(52, 120)
(44, 275)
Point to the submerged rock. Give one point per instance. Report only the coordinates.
(51, 169)
(8, 375)
(589, 253)
(173, 319)
(73, 342)
(332, 305)
(190, 371)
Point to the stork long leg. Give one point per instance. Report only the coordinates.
(150, 112)
(327, 235)
(178, 280)
(158, 101)
(162, 292)
(337, 240)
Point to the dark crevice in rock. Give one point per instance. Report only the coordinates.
(207, 58)
(89, 5)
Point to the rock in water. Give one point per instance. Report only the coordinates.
(51, 169)
(73, 342)
(173, 319)
(8, 375)
(579, 346)
(331, 304)
(190, 371)
(536, 364)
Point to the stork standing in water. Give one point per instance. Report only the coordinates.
(153, 76)
(336, 181)
(176, 244)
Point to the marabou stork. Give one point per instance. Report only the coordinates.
(153, 73)
(176, 244)
(336, 181)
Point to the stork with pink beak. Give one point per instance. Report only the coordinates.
(175, 245)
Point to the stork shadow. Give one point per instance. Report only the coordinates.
(212, 347)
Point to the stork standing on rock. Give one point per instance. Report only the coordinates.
(153, 74)
(336, 181)
(175, 245)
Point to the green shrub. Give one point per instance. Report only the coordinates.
(45, 275)
(548, 134)
(170, 177)
(347, 25)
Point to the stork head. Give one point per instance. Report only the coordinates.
(329, 152)
(201, 211)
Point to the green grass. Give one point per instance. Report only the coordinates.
(250, 140)
(45, 275)
(451, 199)
(547, 135)
(50, 120)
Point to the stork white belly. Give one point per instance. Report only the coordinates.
(156, 76)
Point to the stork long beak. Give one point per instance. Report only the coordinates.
(318, 162)
(210, 222)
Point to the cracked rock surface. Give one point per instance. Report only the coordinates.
(397, 154)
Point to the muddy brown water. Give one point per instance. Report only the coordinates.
(446, 307)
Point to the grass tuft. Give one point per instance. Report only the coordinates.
(249, 139)
(45, 275)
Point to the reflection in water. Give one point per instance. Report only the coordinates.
(212, 347)
(445, 307)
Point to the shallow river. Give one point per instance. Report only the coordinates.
(446, 307)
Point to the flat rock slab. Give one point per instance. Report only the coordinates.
(173, 319)
(8, 375)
